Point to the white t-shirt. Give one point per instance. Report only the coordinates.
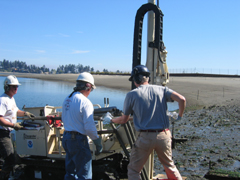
(77, 115)
(8, 109)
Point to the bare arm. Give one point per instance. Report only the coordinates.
(121, 119)
(20, 113)
(5, 123)
(181, 102)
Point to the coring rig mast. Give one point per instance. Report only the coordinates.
(156, 52)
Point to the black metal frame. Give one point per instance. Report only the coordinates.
(137, 43)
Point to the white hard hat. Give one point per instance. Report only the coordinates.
(86, 77)
(10, 80)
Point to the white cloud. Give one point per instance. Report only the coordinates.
(63, 35)
(40, 51)
(79, 52)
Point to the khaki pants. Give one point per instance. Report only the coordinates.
(143, 147)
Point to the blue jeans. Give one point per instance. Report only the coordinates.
(78, 161)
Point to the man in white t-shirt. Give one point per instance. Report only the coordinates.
(8, 121)
(77, 117)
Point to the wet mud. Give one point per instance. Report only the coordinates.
(213, 139)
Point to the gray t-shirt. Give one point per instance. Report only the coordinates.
(148, 104)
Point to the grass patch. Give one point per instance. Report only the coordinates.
(226, 125)
(224, 173)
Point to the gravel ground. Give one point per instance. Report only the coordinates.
(213, 140)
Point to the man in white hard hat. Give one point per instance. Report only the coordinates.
(8, 121)
(77, 117)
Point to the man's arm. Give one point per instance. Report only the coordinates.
(20, 113)
(181, 102)
(5, 123)
(121, 119)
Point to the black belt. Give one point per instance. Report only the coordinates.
(3, 130)
(154, 130)
(73, 132)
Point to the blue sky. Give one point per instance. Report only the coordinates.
(99, 33)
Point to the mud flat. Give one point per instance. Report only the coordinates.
(213, 140)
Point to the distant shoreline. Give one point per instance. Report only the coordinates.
(110, 81)
(199, 91)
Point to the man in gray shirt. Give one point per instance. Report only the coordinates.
(148, 104)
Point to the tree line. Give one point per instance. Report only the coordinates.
(20, 66)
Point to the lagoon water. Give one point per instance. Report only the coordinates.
(38, 93)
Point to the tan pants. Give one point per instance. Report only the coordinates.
(143, 147)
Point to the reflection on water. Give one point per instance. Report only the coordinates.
(38, 93)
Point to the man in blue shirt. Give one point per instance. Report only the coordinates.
(148, 104)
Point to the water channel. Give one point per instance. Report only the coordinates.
(38, 93)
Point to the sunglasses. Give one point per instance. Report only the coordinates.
(14, 86)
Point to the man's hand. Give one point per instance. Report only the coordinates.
(98, 145)
(174, 115)
(179, 118)
(107, 118)
(17, 126)
(28, 114)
